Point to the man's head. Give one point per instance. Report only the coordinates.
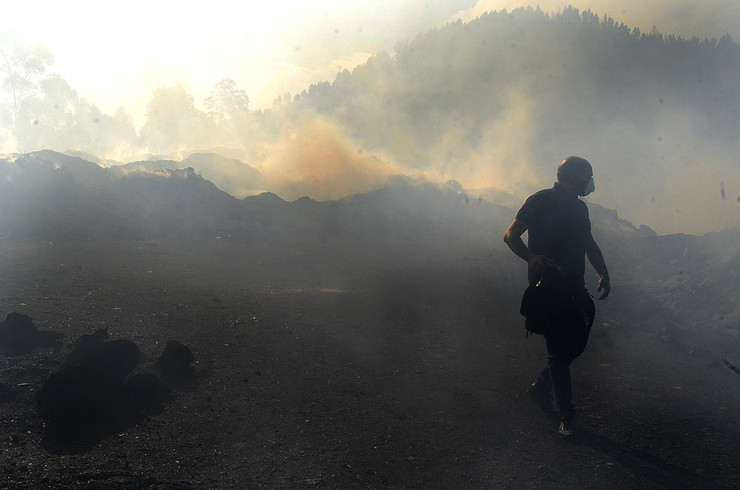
(576, 173)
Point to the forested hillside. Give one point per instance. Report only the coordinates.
(494, 101)
(571, 68)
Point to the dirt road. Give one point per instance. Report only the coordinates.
(319, 366)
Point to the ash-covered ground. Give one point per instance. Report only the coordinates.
(396, 364)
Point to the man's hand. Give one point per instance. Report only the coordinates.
(536, 268)
(604, 285)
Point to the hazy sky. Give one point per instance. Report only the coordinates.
(115, 53)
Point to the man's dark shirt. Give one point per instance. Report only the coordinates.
(558, 226)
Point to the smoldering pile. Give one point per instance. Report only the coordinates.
(175, 365)
(88, 382)
(19, 335)
(102, 379)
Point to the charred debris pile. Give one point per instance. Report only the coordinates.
(100, 386)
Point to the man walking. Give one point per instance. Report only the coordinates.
(559, 237)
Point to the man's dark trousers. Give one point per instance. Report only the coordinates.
(562, 349)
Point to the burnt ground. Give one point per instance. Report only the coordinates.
(395, 366)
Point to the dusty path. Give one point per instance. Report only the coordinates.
(319, 368)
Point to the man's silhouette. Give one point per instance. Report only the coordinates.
(559, 237)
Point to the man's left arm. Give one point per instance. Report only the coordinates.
(595, 257)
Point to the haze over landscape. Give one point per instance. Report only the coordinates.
(330, 99)
(258, 245)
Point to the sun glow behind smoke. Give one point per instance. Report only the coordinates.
(117, 54)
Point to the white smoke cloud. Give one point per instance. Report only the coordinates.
(503, 159)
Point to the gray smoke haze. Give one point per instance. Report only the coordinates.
(494, 102)
(675, 168)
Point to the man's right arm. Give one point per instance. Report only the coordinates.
(513, 238)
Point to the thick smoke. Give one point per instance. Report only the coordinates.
(667, 175)
(315, 160)
(497, 103)
(502, 160)
(494, 103)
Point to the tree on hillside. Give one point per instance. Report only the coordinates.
(42, 111)
(24, 65)
(109, 136)
(55, 117)
(174, 123)
(226, 102)
(44, 116)
(228, 108)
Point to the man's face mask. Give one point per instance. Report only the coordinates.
(588, 188)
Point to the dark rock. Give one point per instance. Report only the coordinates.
(88, 341)
(176, 359)
(175, 364)
(146, 391)
(88, 385)
(19, 335)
